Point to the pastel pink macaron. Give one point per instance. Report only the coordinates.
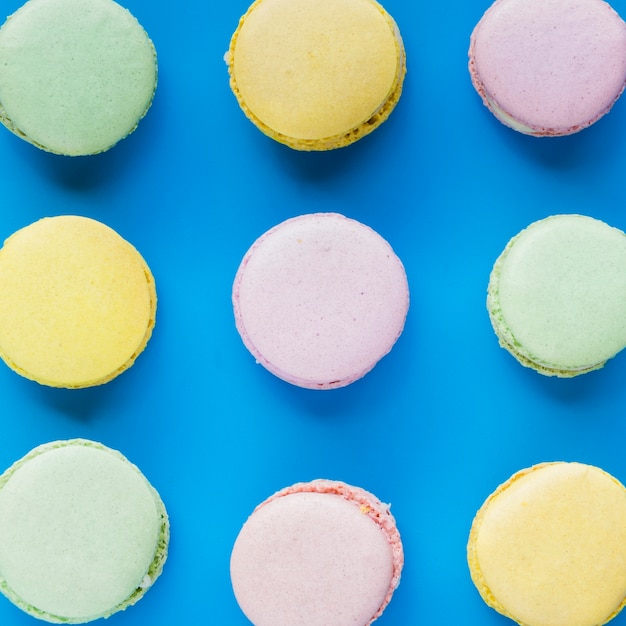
(316, 554)
(319, 299)
(549, 67)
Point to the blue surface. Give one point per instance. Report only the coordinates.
(436, 426)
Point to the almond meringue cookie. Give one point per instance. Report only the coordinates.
(317, 553)
(319, 299)
(77, 302)
(76, 76)
(557, 295)
(83, 534)
(316, 75)
(549, 67)
(548, 546)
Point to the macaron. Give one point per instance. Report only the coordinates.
(549, 67)
(316, 75)
(319, 299)
(76, 76)
(83, 534)
(77, 302)
(548, 546)
(317, 553)
(557, 295)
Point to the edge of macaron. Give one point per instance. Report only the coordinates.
(472, 557)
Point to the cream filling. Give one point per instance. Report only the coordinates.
(508, 119)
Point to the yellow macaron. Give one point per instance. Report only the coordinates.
(77, 302)
(548, 546)
(316, 75)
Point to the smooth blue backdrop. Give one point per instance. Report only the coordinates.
(437, 425)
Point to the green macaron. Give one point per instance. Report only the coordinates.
(83, 534)
(76, 76)
(557, 295)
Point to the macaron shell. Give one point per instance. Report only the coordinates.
(549, 67)
(76, 75)
(83, 532)
(77, 302)
(557, 295)
(320, 299)
(317, 553)
(317, 75)
(548, 547)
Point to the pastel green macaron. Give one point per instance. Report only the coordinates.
(76, 76)
(557, 295)
(83, 534)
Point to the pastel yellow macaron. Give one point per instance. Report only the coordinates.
(316, 75)
(548, 546)
(77, 302)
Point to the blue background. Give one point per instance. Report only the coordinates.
(436, 426)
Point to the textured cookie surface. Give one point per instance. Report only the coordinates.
(77, 302)
(549, 67)
(76, 76)
(320, 299)
(557, 295)
(315, 554)
(548, 547)
(316, 75)
(82, 532)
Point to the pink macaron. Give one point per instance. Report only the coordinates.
(319, 299)
(549, 67)
(317, 554)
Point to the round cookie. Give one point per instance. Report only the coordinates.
(548, 547)
(557, 295)
(549, 67)
(317, 553)
(77, 302)
(319, 299)
(316, 75)
(76, 76)
(83, 534)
